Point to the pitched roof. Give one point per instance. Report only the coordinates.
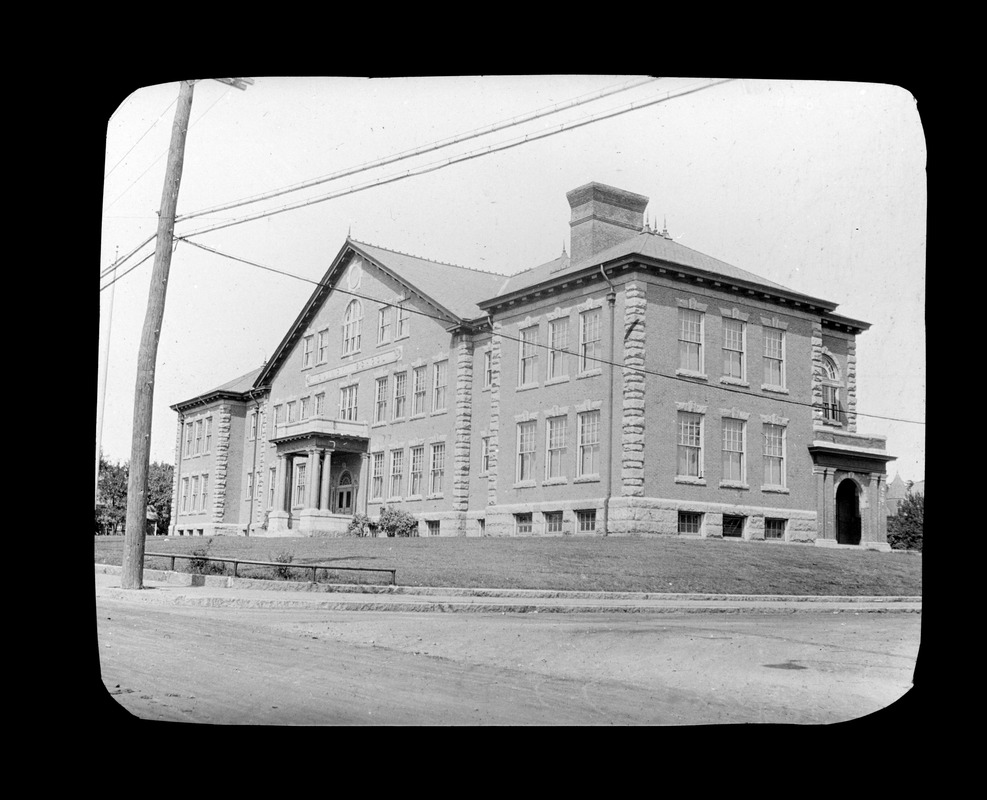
(237, 386)
(456, 288)
(650, 245)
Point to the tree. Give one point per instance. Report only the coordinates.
(111, 508)
(159, 487)
(905, 528)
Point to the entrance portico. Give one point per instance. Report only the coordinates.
(318, 483)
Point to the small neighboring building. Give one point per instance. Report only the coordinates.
(634, 386)
(898, 490)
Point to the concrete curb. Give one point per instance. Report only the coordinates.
(217, 591)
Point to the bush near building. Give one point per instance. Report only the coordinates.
(906, 527)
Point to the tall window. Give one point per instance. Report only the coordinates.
(347, 402)
(292, 409)
(774, 455)
(304, 407)
(417, 466)
(528, 365)
(832, 412)
(487, 368)
(690, 340)
(526, 451)
(384, 324)
(589, 443)
(377, 476)
(205, 492)
(733, 348)
(185, 483)
(198, 436)
(774, 357)
(208, 434)
(250, 485)
(404, 326)
(323, 352)
(352, 323)
(301, 474)
(400, 395)
(690, 445)
(397, 472)
(440, 375)
(320, 404)
(485, 454)
(195, 492)
(308, 344)
(733, 449)
(278, 415)
(188, 438)
(272, 475)
(418, 398)
(556, 445)
(380, 400)
(558, 341)
(437, 473)
(589, 340)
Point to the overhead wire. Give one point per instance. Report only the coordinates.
(642, 370)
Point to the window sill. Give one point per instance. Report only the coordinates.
(402, 336)
(525, 485)
(690, 481)
(441, 411)
(587, 479)
(831, 423)
(377, 424)
(485, 389)
(438, 496)
(691, 373)
(734, 485)
(350, 354)
(411, 497)
(766, 387)
(528, 386)
(385, 343)
(397, 499)
(775, 489)
(559, 379)
(590, 373)
(420, 415)
(555, 482)
(734, 382)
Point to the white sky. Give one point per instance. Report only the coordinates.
(818, 186)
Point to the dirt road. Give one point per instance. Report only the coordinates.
(297, 667)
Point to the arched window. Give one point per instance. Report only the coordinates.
(352, 324)
(831, 388)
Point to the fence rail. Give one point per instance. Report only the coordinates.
(237, 561)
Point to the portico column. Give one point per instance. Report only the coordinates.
(279, 483)
(324, 494)
(360, 504)
(311, 490)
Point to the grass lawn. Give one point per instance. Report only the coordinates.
(663, 564)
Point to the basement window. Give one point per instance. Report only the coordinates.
(690, 522)
(586, 520)
(553, 522)
(774, 528)
(433, 527)
(522, 523)
(733, 526)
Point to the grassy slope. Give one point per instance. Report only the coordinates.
(593, 564)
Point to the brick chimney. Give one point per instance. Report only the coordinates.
(602, 216)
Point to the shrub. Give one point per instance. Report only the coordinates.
(394, 522)
(283, 571)
(906, 527)
(359, 525)
(198, 565)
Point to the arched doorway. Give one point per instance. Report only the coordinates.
(847, 513)
(345, 493)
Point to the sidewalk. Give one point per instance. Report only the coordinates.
(178, 588)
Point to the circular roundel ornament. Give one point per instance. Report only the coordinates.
(354, 274)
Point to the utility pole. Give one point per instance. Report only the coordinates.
(132, 573)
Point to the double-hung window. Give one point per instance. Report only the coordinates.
(205, 492)
(185, 485)
(198, 436)
(487, 368)
(417, 467)
(419, 391)
(437, 472)
(308, 345)
(556, 447)
(195, 492)
(440, 374)
(774, 455)
(347, 402)
(400, 394)
(832, 412)
(589, 340)
(403, 324)
(377, 476)
(690, 462)
(397, 472)
(733, 450)
(352, 324)
(322, 354)
(558, 341)
(304, 407)
(292, 408)
(528, 364)
(589, 443)
(301, 475)
(188, 438)
(526, 450)
(485, 454)
(384, 325)
(380, 400)
(774, 357)
(691, 340)
(734, 334)
(320, 404)
(208, 434)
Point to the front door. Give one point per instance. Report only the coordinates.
(344, 494)
(847, 513)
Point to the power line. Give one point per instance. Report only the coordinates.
(458, 159)
(458, 138)
(139, 140)
(502, 335)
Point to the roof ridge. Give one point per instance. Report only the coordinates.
(431, 260)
